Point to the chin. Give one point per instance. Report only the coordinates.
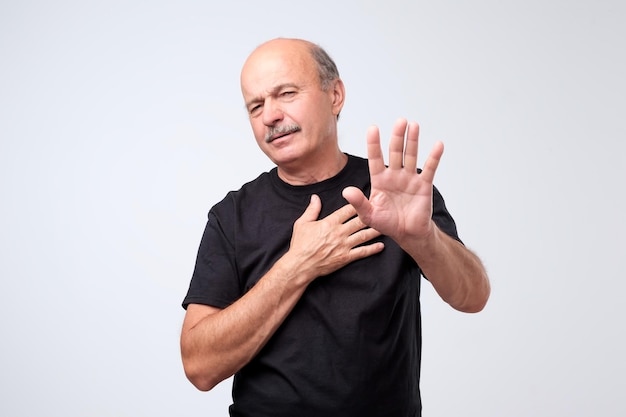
(283, 155)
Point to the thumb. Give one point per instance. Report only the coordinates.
(312, 211)
(361, 204)
(356, 198)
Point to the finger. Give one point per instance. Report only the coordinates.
(375, 159)
(410, 152)
(312, 211)
(431, 164)
(366, 235)
(342, 214)
(353, 225)
(396, 144)
(364, 251)
(358, 201)
(363, 236)
(359, 231)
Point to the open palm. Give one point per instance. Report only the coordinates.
(400, 203)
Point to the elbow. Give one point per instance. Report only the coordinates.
(476, 299)
(201, 380)
(473, 307)
(202, 384)
(200, 371)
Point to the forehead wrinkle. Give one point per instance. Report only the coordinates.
(286, 66)
(273, 91)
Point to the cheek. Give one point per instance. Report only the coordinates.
(258, 130)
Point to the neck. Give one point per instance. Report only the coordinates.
(305, 173)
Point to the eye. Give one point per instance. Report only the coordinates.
(288, 93)
(254, 109)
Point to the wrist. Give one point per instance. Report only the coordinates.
(424, 241)
(289, 269)
(423, 247)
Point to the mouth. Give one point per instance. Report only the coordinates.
(280, 132)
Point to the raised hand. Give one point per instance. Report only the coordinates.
(400, 203)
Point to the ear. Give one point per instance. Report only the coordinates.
(338, 92)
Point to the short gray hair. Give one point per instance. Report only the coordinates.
(326, 68)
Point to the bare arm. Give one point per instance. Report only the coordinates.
(455, 272)
(216, 343)
(400, 206)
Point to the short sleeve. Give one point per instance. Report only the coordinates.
(442, 217)
(215, 280)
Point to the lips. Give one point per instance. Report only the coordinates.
(273, 138)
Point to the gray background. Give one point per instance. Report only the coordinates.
(121, 123)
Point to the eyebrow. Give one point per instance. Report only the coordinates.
(274, 91)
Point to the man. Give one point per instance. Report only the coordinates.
(307, 281)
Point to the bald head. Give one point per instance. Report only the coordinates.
(312, 54)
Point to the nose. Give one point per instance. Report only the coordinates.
(272, 113)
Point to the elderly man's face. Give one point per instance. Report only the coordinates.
(294, 121)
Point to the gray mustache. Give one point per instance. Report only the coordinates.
(280, 131)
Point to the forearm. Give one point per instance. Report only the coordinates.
(215, 346)
(455, 272)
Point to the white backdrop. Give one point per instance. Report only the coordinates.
(121, 123)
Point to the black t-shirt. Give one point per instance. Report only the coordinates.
(352, 344)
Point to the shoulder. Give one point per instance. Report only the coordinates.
(250, 190)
